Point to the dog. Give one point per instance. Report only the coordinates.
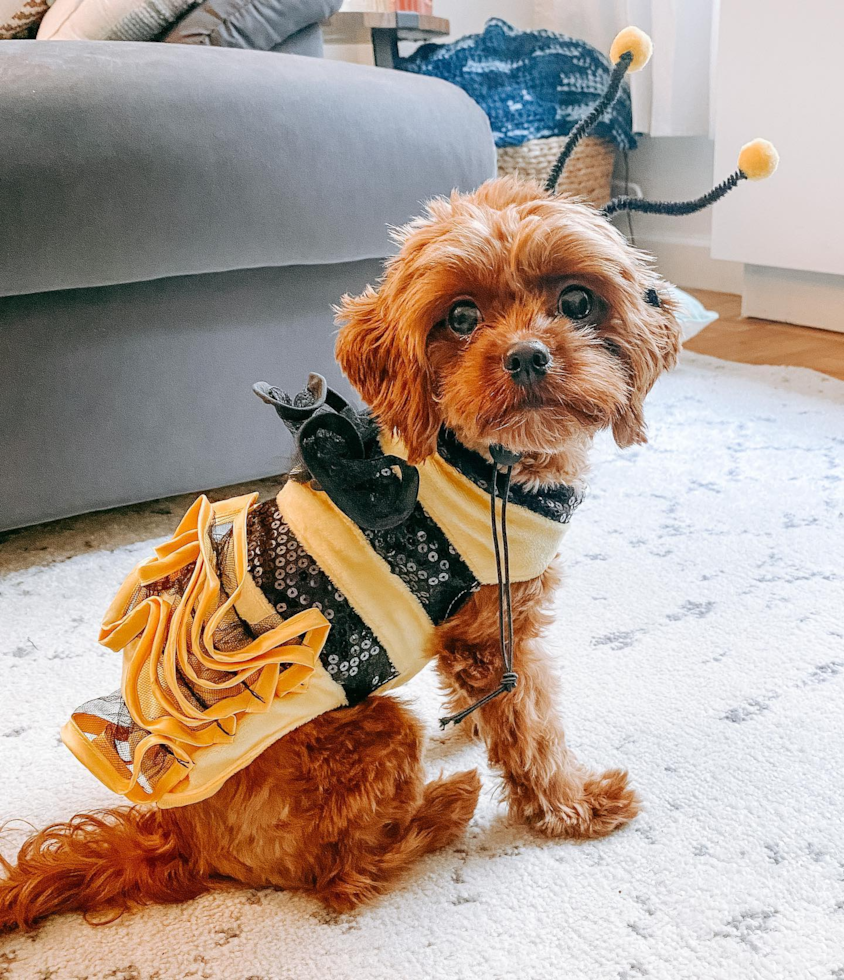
(512, 318)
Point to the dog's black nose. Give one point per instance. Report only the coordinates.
(527, 362)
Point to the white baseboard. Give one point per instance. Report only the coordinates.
(811, 299)
(687, 262)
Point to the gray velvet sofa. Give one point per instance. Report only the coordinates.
(175, 224)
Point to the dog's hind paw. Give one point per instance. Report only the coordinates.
(602, 804)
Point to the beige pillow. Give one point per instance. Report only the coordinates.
(18, 16)
(109, 20)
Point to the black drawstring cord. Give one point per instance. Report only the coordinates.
(509, 678)
(505, 606)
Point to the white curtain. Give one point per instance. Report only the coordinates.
(671, 97)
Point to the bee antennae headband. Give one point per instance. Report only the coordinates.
(631, 50)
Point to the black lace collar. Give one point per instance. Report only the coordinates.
(557, 503)
(339, 448)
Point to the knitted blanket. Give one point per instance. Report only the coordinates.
(531, 84)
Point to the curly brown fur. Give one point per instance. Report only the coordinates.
(544, 784)
(340, 807)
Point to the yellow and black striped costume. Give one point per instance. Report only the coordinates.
(256, 618)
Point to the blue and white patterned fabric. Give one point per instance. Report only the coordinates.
(531, 84)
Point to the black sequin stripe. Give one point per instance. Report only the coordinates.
(556, 503)
(419, 553)
(292, 581)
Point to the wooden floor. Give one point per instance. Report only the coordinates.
(763, 341)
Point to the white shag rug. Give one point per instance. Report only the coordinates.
(701, 641)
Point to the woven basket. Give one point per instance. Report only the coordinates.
(588, 172)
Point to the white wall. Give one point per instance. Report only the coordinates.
(465, 17)
(469, 16)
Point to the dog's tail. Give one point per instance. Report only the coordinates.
(105, 862)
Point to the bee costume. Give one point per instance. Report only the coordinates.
(254, 619)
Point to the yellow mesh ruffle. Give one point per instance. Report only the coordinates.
(201, 647)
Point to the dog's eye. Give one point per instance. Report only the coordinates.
(575, 303)
(463, 317)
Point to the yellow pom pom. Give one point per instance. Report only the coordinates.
(637, 43)
(758, 159)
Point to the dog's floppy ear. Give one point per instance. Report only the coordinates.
(388, 367)
(629, 427)
(651, 351)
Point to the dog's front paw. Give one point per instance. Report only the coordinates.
(601, 805)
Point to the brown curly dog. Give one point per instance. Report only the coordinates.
(340, 806)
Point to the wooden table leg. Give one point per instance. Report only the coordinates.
(385, 46)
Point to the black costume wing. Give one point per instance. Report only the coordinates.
(340, 449)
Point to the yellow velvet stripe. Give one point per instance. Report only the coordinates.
(381, 599)
(213, 765)
(462, 510)
(183, 676)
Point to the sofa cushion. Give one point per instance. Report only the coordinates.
(18, 17)
(110, 20)
(308, 42)
(257, 24)
(124, 162)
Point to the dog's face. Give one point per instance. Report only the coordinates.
(512, 317)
